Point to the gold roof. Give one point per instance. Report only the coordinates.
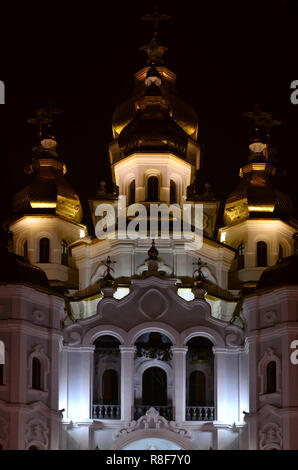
(182, 113)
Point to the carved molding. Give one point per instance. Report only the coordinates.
(153, 420)
(270, 437)
(37, 434)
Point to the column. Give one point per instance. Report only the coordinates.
(127, 382)
(179, 383)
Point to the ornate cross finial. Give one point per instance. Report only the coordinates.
(44, 117)
(262, 119)
(154, 50)
(200, 264)
(153, 251)
(108, 264)
(156, 17)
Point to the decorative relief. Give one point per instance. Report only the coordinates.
(270, 437)
(38, 315)
(153, 304)
(73, 335)
(234, 336)
(37, 434)
(153, 420)
(270, 317)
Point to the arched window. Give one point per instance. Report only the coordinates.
(240, 256)
(197, 388)
(36, 373)
(132, 192)
(25, 249)
(152, 188)
(110, 387)
(173, 195)
(44, 250)
(154, 387)
(261, 254)
(271, 377)
(64, 253)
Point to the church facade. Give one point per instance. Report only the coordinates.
(127, 343)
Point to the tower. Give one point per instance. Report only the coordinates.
(47, 213)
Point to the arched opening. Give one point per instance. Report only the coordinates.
(25, 249)
(106, 383)
(36, 373)
(64, 253)
(110, 387)
(152, 189)
(33, 448)
(271, 377)
(44, 250)
(173, 192)
(154, 387)
(132, 192)
(197, 388)
(240, 256)
(261, 254)
(200, 380)
(153, 374)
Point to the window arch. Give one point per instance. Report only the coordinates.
(44, 250)
(64, 253)
(173, 192)
(261, 254)
(132, 192)
(271, 377)
(36, 373)
(152, 189)
(269, 371)
(154, 387)
(240, 256)
(39, 366)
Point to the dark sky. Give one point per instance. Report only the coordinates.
(82, 56)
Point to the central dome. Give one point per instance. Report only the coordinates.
(181, 113)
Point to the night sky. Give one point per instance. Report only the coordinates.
(82, 57)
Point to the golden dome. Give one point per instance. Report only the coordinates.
(48, 193)
(183, 114)
(256, 196)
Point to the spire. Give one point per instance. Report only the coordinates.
(154, 50)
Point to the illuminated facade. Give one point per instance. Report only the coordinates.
(127, 344)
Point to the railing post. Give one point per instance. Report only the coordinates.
(127, 382)
(179, 382)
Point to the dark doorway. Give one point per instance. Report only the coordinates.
(110, 387)
(197, 389)
(154, 387)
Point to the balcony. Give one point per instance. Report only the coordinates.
(165, 411)
(106, 411)
(200, 413)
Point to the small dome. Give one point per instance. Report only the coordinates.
(15, 269)
(283, 273)
(256, 196)
(48, 193)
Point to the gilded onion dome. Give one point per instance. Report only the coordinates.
(257, 195)
(48, 191)
(181, 113)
